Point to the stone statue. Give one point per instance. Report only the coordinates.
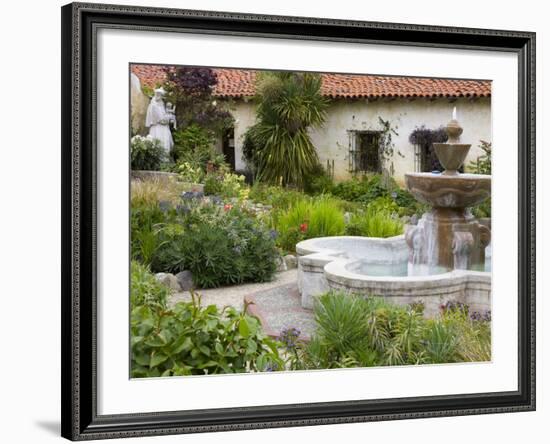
(158, 120)
(139, 103)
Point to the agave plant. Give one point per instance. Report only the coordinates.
(288, 105)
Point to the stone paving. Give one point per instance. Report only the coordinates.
(234, 294)
(279, 308)
(276, 303)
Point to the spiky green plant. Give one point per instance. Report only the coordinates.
(372, 223)
(289, 104)
(308, 218)
(326, 219)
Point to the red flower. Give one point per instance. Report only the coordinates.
(227, 207)
(303, 227)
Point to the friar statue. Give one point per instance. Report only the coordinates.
(158, 120)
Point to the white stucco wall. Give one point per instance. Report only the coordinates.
(332, 140)
(244, 113)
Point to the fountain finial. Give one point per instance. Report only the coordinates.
(453, 129)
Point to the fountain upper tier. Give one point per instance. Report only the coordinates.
(448, 236)
(449, 191)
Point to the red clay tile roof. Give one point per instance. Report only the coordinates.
(149, 75)
(241, 83)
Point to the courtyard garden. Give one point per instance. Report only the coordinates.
(201, 231)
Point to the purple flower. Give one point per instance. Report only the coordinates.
(183, 209)
(272, 367)
(289, 337)
(190, 195)
(477, 316)
(455, 306)
(273, 234)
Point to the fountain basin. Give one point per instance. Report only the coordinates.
(449, 191)
(378, 267)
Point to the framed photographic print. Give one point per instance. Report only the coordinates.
(279, 221)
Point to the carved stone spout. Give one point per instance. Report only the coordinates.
(463, 243)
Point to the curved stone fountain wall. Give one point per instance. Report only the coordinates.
(378, 267)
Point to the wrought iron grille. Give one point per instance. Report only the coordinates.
(364, 152)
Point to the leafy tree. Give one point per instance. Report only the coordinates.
(278, 145)
(190, 89)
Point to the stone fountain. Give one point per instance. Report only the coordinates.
(448, 237)
(440, 259)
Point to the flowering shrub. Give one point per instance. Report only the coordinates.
(146, 153)
(230, 250)
(221, 245)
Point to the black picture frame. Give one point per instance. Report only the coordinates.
(80, 420)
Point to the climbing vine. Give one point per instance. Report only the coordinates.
(387, 145)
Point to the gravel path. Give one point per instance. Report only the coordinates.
(234, 295)
(280, 308)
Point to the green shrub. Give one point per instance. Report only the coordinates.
(194, 145)
(219, 246)
(364, 188)
(483, 209)
(372, 223)
(407, 204)
(233, 252)
(384, 204)
(225, 184)
(278, 197)
(482, 165)
(146, 153)
(145, 223)
(212, 185)
(351, 190)
(191, 140)
(193, 340)
(145, 289)
(318, 182)
(189, 173)
(374, 188)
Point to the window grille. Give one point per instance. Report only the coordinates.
(364, 152)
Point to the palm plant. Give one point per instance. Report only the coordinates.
(289, 104)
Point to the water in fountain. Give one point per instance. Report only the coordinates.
(448, 237)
